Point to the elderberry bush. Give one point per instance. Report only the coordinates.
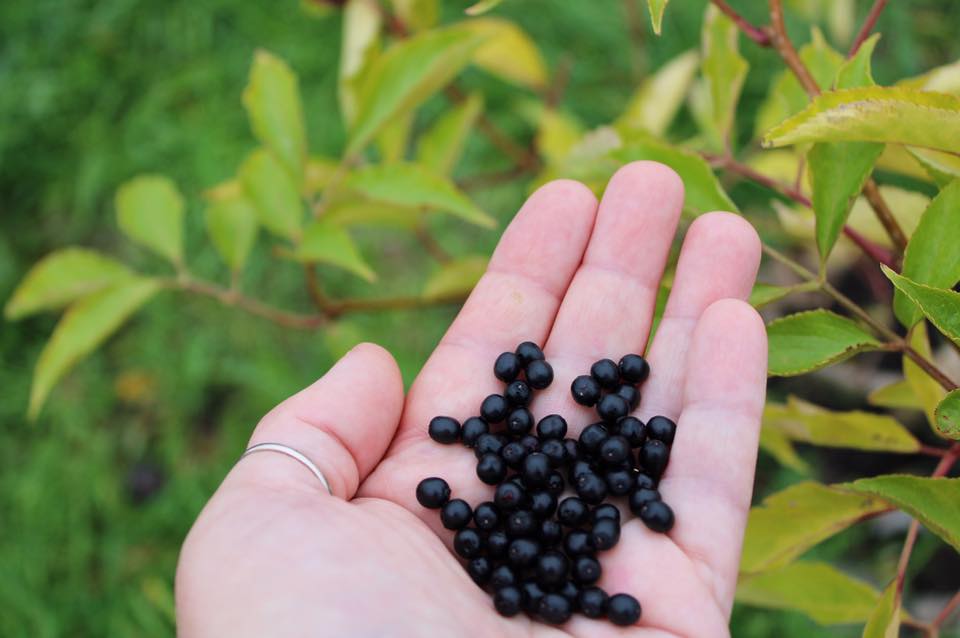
(536, 546)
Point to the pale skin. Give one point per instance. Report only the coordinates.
(274, 554)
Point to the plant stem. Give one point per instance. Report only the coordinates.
(520, 155)
(635, 31)
(758, 34)
(869, 22)
(313, 287)
(430, 244)
(481, 180)
(948, 609)
(885, 215)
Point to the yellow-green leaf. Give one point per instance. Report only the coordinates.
(394, 138)
(455, 278)
(62, 277)
(417, 14)
(150, 212)
(508, 52)
(884, 622)
(933, 501)
(763, 294)
(406, 75)
(231, 223)
(793, 520)
(84, 326)
(557, 134)
(808, 341)
(273, 192)
(941, 167)
(654, 105)
(928, 392)
(777, 445)
(441, 146)
(907, 207)
(656, 8)
(896, 395)
(932, 258)
(317, 174)
(272, 100)
(724, 71)
(364, 212)
(482, 7)
(362, 20)
(328, 243)
(947, 415)
(818, 590)
(875, 114)
(856, 71)
(412, 185)
(941, 306)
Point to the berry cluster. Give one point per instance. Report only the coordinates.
(535, 545)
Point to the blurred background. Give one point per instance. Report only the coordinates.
(97, 495)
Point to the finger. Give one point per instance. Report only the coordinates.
(343, 423)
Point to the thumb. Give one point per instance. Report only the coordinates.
(343, 423)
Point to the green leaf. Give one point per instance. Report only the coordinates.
(656, 8)
(417, 14)
(272, 100)
(441, 146)
(793, 520)
(811, 340)
(898, 394)
(363, 212)
(317, 174)
(932, 258)
(655, 103)
(84, 326)
(765, 294)
(818, 590)
(724, 71)
(933, 501)
(62, 277)
(481, 7)
(884, 622)
(557, 134)
(941, 307)
(508, 52)
(406, 75)
(777, 445)
(359, 44)
(231, 223)
(327, 243)
(273, 192)
(928, 392)
(394, 138)
(412, 185)
(856, 71)
(809, 423)
(875, 114)
(455, 278)
(941, 167)
(947, 415)
(150, 212)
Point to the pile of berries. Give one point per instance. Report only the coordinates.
(535, 545)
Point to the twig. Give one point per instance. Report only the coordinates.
(313, 287)
(948, 609)
(758, 34)
(520, 155)
(931, 450)
(635, 31)
(430, 244)
(869, 22)
(885, 215)
(783, 45)
(492, 179)
(561, 77)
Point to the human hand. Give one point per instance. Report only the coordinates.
(274, 554)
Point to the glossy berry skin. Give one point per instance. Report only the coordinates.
(513, 454)
(585, 390)
(433, 492)
(519, 421)
(619, 482)
(634, 368)
(555, 451)
(456, 514)
(623, 610)
(529, 351)
(593, 436)
(579, 543)
(592, 602)
(640, 497)
(555, 609)
(555, 483)
(530, 442)
(536, 469)
(552, 426)
(571, 592)
(522, 523)
(573, 449)
(612, 407)
(497, 543)
(467, 543)
(572, 512)
(523, 552)
(486, 516)
(543, 504)
(551, 569)
(472, 429)
(615, 450)
(591, 488)
(539, 374)
(508, 601)
(645, 481)
(444, 429)
(606, 373)
(494, 408)
(487, 444)
(630, 394)
(550, 532)
(586, 570)
(578, 468)
(654, 456)
(532, 594)
(605, 533)
(518, 393)
(662, 429)
(605, 510)
(503, 576)
(658, 516)
(491, 469)
(633, 430)
(507, 367)
(479, 569)
(509, 496)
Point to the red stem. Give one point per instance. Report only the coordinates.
(868, 24)
(758, 34)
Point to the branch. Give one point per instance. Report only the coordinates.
(635, 31)
(430, 244)
(867, 27)
(520, 155)
(758, 34)
(948, 609)
(885, 215)
(783, 45)
(493, 178)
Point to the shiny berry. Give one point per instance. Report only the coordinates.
(472, 429)
(521, 523)
(513, 454)
(633, 430)
(592, 436)
(550, 532)
(573, 449)
(606, 373)
(585, 570)
(615, 450)
(509, 496)
(486, 516)
(467, 543)
(578, 468)
(555, 483)
(519, 421)
(497, 543)
(479, 569)
(571, 592)
(572, 512)
(634, 368)
(605, 510)
(591, 488)
(654, 456)
(644, 481)
(554, 450)
(658, 516)
(487, 444)
(585, 390)
(539, 374)
(619, 482)
(623, 610)
(552, 426)
(612, 407)
(551, 569)
(662, 429)
(532, 594)
(555, 609)
(605, 533)
(543, 504)
(528, 351)
(579, 543)
(455, 514)
(593, 602)
(494, 408)
(491, 469)
(507, 367)
(518, 393)
(503, 576)
(508, 601)
(630, 394)
(530, 442)
(444, 429)
(536, 469)
(640, 497)
(523, 552)
(433, 492)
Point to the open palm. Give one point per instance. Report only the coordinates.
(274, 554)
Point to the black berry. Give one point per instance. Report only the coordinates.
(550, 532)
(619, 482)
(532, 594)
(485, 516)
(605, 533)
(579, 543)
(586, 570)
(508, 601)
(467, 543)
(503, 576)
(479, 569)
(572, 512)
(654, 456)
(555, 609)
(632, 429)
(455, 514)
(658, 516)
(536, 469)
(529, 351)
(571, 592)
(472, 429)
(491, 469)
(644, 481)
(606, 373)
(507, 367)
(497, 543)
(509, 496)
(585, 390)
(494, 408)
(521, 523)
(433, 492)
(539, 374)
(519, 421)
(593, 602)
(573, 449)
(554, 450)
(623, 609)
(662, 429)
(444, 429)
(551, 569)
(513, 454)
(523, 552)
(630, 394)
(634, 368)
(591, 488)
(555, 483)
(612, 407)
(615, 450)
(518, 393)
(552, 426)
(530, 442)
(605, 510)
(592, 436)
(543, 504)
(487, 444)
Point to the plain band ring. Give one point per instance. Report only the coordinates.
(294, 454)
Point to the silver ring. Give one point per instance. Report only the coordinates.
(294, 454)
